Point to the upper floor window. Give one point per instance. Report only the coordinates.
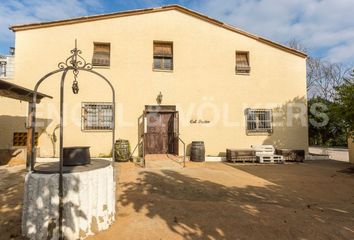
(259, 121)
(101, 54)
(242, 63)
(163, 56)
(97, 116)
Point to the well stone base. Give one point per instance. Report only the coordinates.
(89, 203)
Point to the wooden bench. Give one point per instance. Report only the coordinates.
(266, 153)
(240, 155)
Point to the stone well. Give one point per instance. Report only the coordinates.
(88, 202)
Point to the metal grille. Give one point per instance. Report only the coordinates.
(97, 116)
(20, 139)
(259, 120)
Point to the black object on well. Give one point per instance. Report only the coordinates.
(122, 150)
(74, 156)
(197, 151)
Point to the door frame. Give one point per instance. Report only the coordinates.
(163, 109)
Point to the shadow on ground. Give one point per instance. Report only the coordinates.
(11, 193)
(195, 208)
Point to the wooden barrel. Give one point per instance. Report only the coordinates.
(122, 150)
(197, 151)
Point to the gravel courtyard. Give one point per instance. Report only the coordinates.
(311, 200)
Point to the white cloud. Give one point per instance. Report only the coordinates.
(19, 12)
(326, 27)
(319, 24)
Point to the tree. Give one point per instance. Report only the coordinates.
(331, 90)
(313, 65)
(339, 116)
(331, 76)
(322, 76)
(297, 45)
(344, 100)
(313, 71)
(326, 128)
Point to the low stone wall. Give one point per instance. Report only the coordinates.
(339, 154)
(89, 204)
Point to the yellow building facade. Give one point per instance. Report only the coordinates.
(264, 103)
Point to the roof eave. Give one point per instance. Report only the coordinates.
(23, 27)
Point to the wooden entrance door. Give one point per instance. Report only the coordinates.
(159, 135)
(161, 130)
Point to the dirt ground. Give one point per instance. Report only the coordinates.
(11, 191)
(311, 200)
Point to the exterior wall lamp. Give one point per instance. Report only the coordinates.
(159, 98)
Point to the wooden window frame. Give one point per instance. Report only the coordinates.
(94, 63)
(162, 56)
(244, 71)
(255, 125)
(96, 127)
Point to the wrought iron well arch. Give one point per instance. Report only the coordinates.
(74, 63)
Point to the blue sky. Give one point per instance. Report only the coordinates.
(325, 27)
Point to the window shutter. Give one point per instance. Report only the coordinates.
(163, 49)
(242, 62)
(163, 56)
(102, 48)
(101, 54)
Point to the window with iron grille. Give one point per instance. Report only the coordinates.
(101, 54)
(259, 121)
(97, 116)
(20, 139)
(242, 63)
(163, 56)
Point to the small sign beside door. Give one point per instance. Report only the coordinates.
(199, 121)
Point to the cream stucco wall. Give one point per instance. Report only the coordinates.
(203, 84)
(12, 119)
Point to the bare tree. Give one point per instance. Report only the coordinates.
(322, 76)
(297, 45)
(332, 76)
(313, 72)
(313, 65)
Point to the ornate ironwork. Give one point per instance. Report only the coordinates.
(75, 61)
